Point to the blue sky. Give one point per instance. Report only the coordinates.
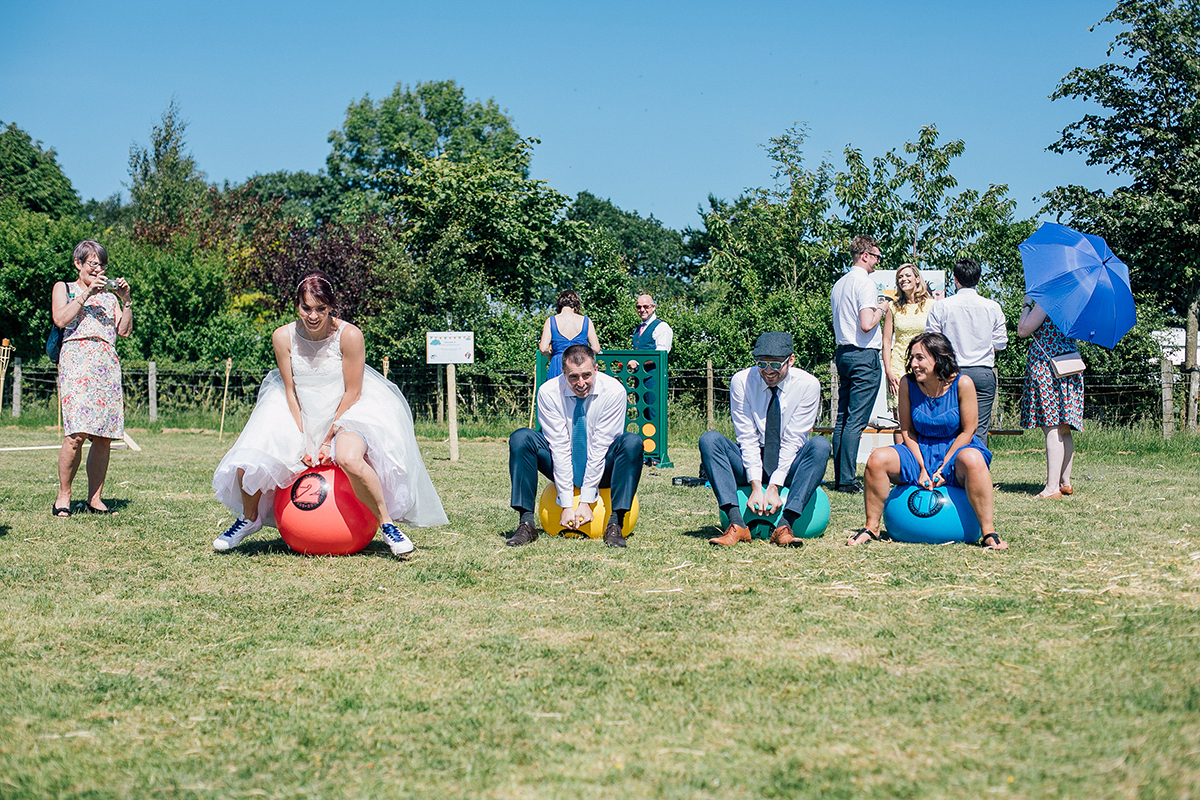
(654, 105)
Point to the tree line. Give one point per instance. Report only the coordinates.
(427, 218)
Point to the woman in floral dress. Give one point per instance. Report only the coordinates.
(905, 318)
(1053, 404)
(92, 316)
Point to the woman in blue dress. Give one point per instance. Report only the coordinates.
(567, 327)
(938, 415)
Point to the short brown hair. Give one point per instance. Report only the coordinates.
(860, 245)
(567, 297)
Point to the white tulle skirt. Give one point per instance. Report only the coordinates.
(270, 448)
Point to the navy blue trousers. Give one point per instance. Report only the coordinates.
(529, 454)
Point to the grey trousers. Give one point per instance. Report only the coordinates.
(984, 379)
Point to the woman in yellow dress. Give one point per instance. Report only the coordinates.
(905, 318)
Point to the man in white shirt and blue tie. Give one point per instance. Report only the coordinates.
(774, 406)
(582, 444)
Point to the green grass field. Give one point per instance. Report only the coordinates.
(136, 662)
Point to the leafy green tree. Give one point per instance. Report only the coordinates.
(481, 216)
(908, 206)
(32, 176)
(1149, 134)
(654, 253)
(164, 180)
(426, 121)
(308, 199)
(35, 252)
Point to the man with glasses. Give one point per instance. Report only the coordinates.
(653, 333)
(774, 407)
(857, 309)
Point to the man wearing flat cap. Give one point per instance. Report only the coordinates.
(774, 407)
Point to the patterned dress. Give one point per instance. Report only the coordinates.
(906, 324)
(89, 374)
(1046, 400)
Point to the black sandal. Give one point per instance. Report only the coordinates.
(91, 509)
(996, 540)
(60, 512)
(873, 537)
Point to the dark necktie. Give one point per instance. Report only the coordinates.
(771, 449)
(579, 442)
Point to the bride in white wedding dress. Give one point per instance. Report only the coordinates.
(325, 405)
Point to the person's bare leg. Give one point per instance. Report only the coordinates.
(883, 467)
(68, 464)
(249, 501)
(1068, 454)
(352, 458)
(971, 471)
(1054, 459)
(97, 469)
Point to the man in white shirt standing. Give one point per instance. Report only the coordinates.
(774, 407)
(652, 333)
(975, 327)
(582, 444)
(857, 310)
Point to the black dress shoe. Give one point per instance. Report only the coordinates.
(613, 536)
(524, 534)
(849, 488)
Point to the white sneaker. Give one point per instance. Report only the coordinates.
(239, 530)
(396, 540)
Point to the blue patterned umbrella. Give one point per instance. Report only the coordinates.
(1083, 287)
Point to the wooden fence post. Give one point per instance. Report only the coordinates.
(452, 388)
(153, 391)
(833, 393)
(1168, 396)
(1193, 392)
(225, 399)
(441, 399)
(709, 375)
(16, 401)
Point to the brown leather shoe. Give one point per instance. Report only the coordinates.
(732, 535)
(524, 534)
(613, 536)
(783, 536)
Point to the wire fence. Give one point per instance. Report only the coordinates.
(485, 394)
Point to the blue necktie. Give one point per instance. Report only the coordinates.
(579, 442)
(771, 450)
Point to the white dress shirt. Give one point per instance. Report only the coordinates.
(663, 335)
(799, 401)
(604, 410)
(853, 292)
(973, 324)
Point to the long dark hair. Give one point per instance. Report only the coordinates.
(945, 365)
(317, 284)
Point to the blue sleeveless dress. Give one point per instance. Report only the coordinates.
(559, 343)
(937, 423)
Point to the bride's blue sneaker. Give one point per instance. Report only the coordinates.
(239, 530)
(396, 540)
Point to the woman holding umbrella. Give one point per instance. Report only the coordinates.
(1076, 288)
(1053, 404)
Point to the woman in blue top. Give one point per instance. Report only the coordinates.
(938, 415)
(565, 328)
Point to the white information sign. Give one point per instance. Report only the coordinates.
(449, 347)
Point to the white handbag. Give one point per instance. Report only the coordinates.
(1065, 365)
